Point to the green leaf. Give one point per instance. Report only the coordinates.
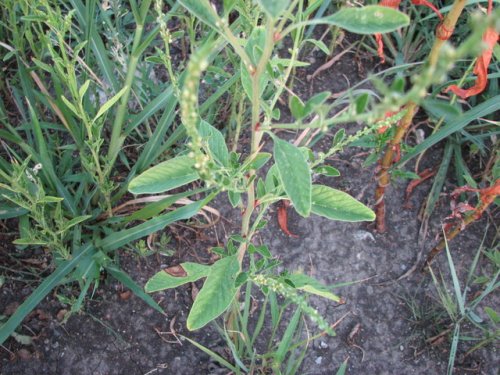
(327, 171)
(254, 48)
(343, 367)
(320, 44)
(234, 198)
(216, 142)
(337, 205)
(29, 241)
(126, 280)
(164, 176)
(441, 108)
(315, 101)
(296, 107)
(75, 221)
(162, 280)
(259, 160)
(8, 211)
(123, 237)
(41, 291)
(492, 314)
(106, 106)
(485, 108)
(362, 102)
(203, 10)
(295, 175)
(217, 293)
(370, 19)
(313, 286)
(274, 8)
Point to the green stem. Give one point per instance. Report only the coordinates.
(256, 133)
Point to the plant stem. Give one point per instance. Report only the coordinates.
(383, 177)
(256, 133)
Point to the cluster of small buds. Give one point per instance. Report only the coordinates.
(290, 293)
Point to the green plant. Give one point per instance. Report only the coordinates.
(251, 187)
(71, 112)
(464, 309)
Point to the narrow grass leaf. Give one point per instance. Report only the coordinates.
(123, 237)
(489, 106)
(453, 350)
(456, 283)
(41, 291)
(286, 340)
(343, 367)
(212, 354)
(127, 281)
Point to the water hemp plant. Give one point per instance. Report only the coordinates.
(253, 181)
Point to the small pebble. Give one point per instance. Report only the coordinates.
(319, 360)
(401, 347)
(323, 345)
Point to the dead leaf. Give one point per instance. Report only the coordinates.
(61, 314)
(176, 271)
(283, 218)
(194, 291)
(125, 295)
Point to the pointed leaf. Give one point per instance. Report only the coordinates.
(217, 293)
(106, 106)
(337, 205)
(313, 286)
(295, 175)
(163, 280)
(164, 176)
(370, 19)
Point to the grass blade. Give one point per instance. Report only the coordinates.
(212, 354)
(456, 283)
(489, 106)
(43, 289)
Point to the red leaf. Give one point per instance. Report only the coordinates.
(283, 219)
(490, 38)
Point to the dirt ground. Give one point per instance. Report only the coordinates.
(117, 333)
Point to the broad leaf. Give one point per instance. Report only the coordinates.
(164, 176)
(274, 7)
(163, 280)
(337, 205)
(295, 175)
(369, 19)
(217, 293)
